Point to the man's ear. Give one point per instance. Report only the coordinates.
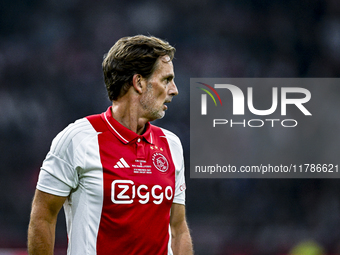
(137, 82)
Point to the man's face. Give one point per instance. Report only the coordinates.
(159, 90)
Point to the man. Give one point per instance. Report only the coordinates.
(120, 179)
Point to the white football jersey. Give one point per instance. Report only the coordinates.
(119, 185)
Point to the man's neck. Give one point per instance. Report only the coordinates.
(126, 113)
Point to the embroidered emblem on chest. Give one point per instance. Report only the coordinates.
(160, 162)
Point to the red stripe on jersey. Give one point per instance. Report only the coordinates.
(138, 192)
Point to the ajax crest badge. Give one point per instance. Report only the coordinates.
(160, 162)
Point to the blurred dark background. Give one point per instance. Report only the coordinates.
(50, 75)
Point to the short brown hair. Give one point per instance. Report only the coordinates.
(130, 56)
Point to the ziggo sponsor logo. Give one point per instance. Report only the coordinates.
(125, 192)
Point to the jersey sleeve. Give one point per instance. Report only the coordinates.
(58, 174)
(178, 159)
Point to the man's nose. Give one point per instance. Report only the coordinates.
(173, 89)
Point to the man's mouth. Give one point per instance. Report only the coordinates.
(166, 102)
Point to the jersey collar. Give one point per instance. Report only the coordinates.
(122, 133)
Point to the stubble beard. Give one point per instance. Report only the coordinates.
(147, 103)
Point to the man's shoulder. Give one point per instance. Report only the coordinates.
(85, 125)
(78, 127)
(73, 135)
(169, 135)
